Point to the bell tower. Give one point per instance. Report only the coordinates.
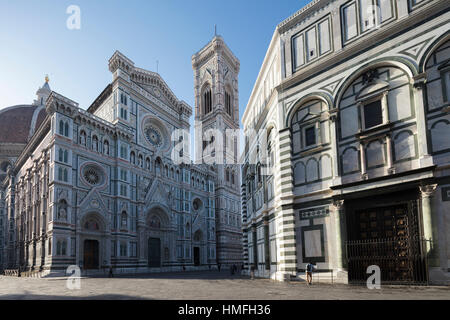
(216, 71)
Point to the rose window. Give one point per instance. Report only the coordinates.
(92, 175)
(153, 136)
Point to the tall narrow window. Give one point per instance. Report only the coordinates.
(349, 22)
(61, 127)
(311, 46)
(299, 56)
(228, 107)
(324, 37)
(207, 101)
(310, 136)
(385, 11)
(367, 14)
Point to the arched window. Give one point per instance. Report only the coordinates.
(232, 177)
(95, 143)
(132, 157)
(83, 138)
(177, 177)
(227, 175)
(147, 163)
(172, 174)
(141, 161)
(166, 171)
(206, 100)
(61, 127)
(158, 165)
(66, 129)
(228, 103)
(62, 174)
(106, 147)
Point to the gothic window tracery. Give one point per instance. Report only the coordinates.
(207, 100)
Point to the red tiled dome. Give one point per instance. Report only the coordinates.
(18, 123)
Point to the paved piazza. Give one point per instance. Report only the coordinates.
(209, 285)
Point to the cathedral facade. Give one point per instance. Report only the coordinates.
(113, 185)
(351, 107)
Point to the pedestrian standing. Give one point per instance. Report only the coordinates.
(309, 270)
(111, 275)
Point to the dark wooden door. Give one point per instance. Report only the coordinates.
(386, 237)
(196, 256)
(154, 252)
(91, 254)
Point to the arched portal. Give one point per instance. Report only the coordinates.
(158, 237)
(93, 240)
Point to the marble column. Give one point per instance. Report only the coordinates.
(421, 120)
(362, 155)
(266, 244)
(338, 212)
(430, 231)
(389, 155)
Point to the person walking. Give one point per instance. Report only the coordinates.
(309, 270)
(111, 275)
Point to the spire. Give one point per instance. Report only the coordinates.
(42, 93)
(46, 85)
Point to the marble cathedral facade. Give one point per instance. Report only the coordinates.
(353, 104)
(106, 187)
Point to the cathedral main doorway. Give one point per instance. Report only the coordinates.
(91, 254)
(196, 256)
(154, 252)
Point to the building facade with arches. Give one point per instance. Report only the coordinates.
(352, 99)
(105, 187)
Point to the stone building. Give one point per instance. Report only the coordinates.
(108, 186)
(352, 110)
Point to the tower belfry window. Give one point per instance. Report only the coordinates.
(207, 101)
(228, 107)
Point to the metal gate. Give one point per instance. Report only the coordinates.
(388, 237)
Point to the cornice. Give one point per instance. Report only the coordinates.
(360, 46)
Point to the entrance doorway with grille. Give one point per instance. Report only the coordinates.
(387, 236)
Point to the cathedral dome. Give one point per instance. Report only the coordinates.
(18, 123)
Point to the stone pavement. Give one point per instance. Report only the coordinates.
(202, 285)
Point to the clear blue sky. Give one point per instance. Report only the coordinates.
(35, 41)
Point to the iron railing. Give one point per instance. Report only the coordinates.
(401, 260)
